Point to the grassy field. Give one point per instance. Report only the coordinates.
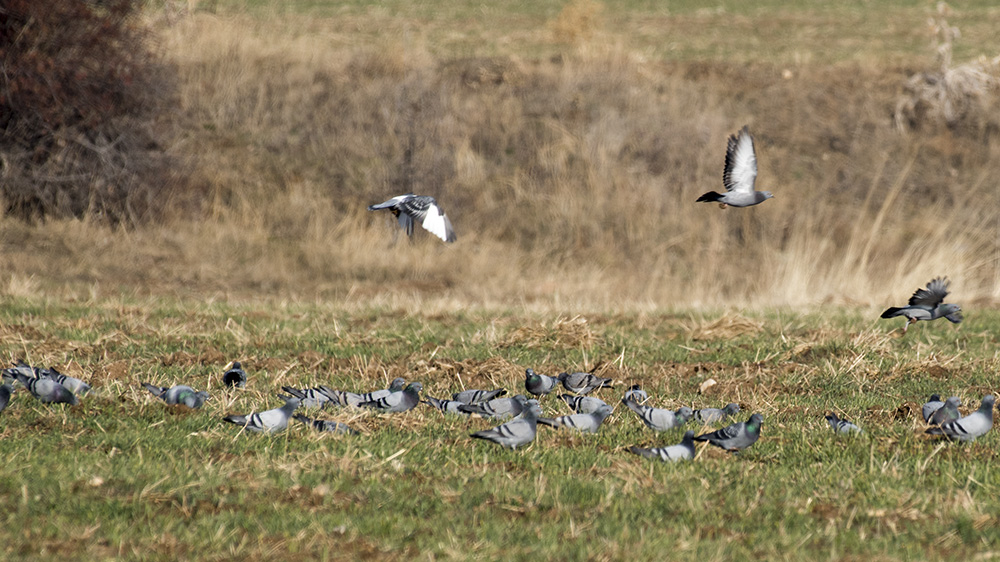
(124, 475)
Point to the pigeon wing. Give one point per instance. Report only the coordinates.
(932, 296)
(741, 163)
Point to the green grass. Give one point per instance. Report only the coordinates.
(123, 475)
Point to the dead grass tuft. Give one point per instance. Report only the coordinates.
(725, 327)
(563, 333)
(577, 21)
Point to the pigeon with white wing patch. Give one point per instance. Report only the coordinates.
(424, 209)
(739, 175)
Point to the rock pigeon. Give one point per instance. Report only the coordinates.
(587, 423)
(971, 426)
(477, 396)
(947, 412)
(841, 426)
(47, 390)
(497, 408)
(583, 404)
(326, 425)
(75, 385)
(926, 304)
(635, 392)
(396, 402)
(538, 385)
(5, 391)
(270, 421)
(10, 374)
(735, 437)
(344, 398)
(180, 394)
(583, 383)
(516, 432)
(932, 405)
(423, 208)
(739, 175)
(659, 419)
(235, 377)
(714, 415)
(684, 451)
(446, 406)
(309, 397)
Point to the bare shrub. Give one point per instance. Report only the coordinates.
(78, 101)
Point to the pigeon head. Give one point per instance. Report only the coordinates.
(603, 412)
(753, 424)
(292, 401)
(684, 414)
(523, 400)
(934, 398)
(766, 194)
(562, 376)
(414, 387)
(987, 405)
(731, 409)
(397, 384)
(635, 387)
(946, 309)
(529, 374)
(831, 417)
(953, 401)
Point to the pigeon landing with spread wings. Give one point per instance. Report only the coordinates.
(421, 208)
(739, 175)
(927, 304)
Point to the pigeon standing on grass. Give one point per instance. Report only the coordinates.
(5, 391)
(396, 402)
(47, 390)
(270, 421)
(735, 437)
(635, 392)
(309, 397)
(739, 175)
(516, 432)
(344, 398)
(75, 385)
(583, 383)
(684, 451)
(326, 425)
(927, 304)
(497, 408)
(587, 423)
(932, 405)
(423, 208)
(235, 377)
(538, 385)
(583, 404)
(841, 426)
(180, 394)
(477, 396)
(971, 426)
(659, 419)
(714, 415)
(446, 406)
(947, 412)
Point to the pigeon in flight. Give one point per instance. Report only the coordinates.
(659, 419)
(583, 383)
(932, 405)
(180, 394)
(538, 385)
(926, 304)
(587, 423)
(735, 437)
(235, 377)
(714, 415)
(326, 425)
(739, 174)
(635, 392)
(514, 433)
(270, 421)
(396, 402)
(841, 426)
(684, 451)
(582, 404)
(947, 412)
(971, 426)
(47, 390)
(5, 391)
(477, 396)
(409, 208)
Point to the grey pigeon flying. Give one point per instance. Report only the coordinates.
(309, 397)
(932, 405)
(715, 415)
(326, 425)
(47, 390)
(235, 377)
(583, 383)
(396, 402)
(926, 304)
(735, 437)
(477, 396)
(516, 432)
(739, 175)
(446, 406)
(538, 385)
(75, 385)
(971, 426)
(5, 390)
(947, 412)
(659, 419)
(587, 423)
(583, 404)
(498, 407)
(423, 208)
(343, 398)
(270, 421)
(684, 451)
(841, 426)
(180, 394)
(635, 392)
